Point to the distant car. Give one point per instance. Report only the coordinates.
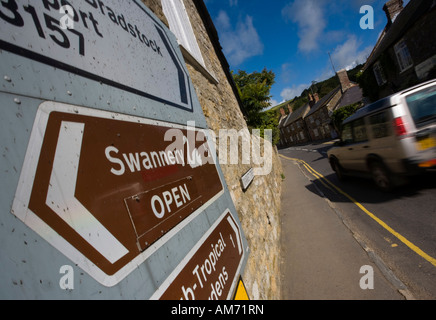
(392, 138)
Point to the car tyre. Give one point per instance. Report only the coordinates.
(338, 169)
(381, 176)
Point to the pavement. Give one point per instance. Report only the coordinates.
(321, 258)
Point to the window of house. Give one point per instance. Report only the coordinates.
(180, 25)
(403, 55)
(379, 73)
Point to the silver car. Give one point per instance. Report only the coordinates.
(391, 139)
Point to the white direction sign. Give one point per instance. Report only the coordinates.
(118, 43)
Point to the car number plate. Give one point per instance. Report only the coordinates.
(426, 143)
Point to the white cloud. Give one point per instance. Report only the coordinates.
(241, 42)
(309, 16)
(273, 103)
(348, 55)
(223, 20)
(294, 91)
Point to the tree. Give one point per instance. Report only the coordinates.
(343, 113)
(254, 91)
(270, 120)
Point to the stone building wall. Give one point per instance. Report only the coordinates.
(259, 207)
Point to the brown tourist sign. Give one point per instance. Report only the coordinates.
(210, 271)
(110, 188)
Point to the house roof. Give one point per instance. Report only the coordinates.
(352, 95)
(326, 99)
(300, 113)
(403, 22)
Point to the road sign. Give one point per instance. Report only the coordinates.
(85, 112)
(210, 271)
(241, 292)
(138, 54)
(108, 189)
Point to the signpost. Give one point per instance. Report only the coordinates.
(101, 185)
(132, 41)
(113, 179)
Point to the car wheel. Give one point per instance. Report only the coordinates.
(381, 176)
(338, 169)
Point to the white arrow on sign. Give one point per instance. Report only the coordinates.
(61, 194)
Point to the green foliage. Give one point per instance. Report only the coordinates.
(352, 74)
(270, 120)
(254, 91)
(325, 87)
(368, 83)
(343, 113)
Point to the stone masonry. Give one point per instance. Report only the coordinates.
(259, 206)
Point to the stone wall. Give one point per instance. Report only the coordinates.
(259, 207)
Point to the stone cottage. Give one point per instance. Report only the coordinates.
(405, 53)
(318, 120)
(293, 129)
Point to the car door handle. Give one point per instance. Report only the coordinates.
(366, 147)
(350, 149)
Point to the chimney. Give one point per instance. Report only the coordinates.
(316, 97)
(282, 112)
(311, 100)
(392, 8)
(344, 80)
(290, 109)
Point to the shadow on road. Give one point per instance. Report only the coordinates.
(364, 190)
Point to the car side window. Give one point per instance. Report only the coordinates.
(347, 134)
(359, 130)
(379, 125)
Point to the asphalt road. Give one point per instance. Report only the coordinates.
(400, 227)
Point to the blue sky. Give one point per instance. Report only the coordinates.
(293, 37)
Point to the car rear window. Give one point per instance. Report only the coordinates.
(422, 106)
